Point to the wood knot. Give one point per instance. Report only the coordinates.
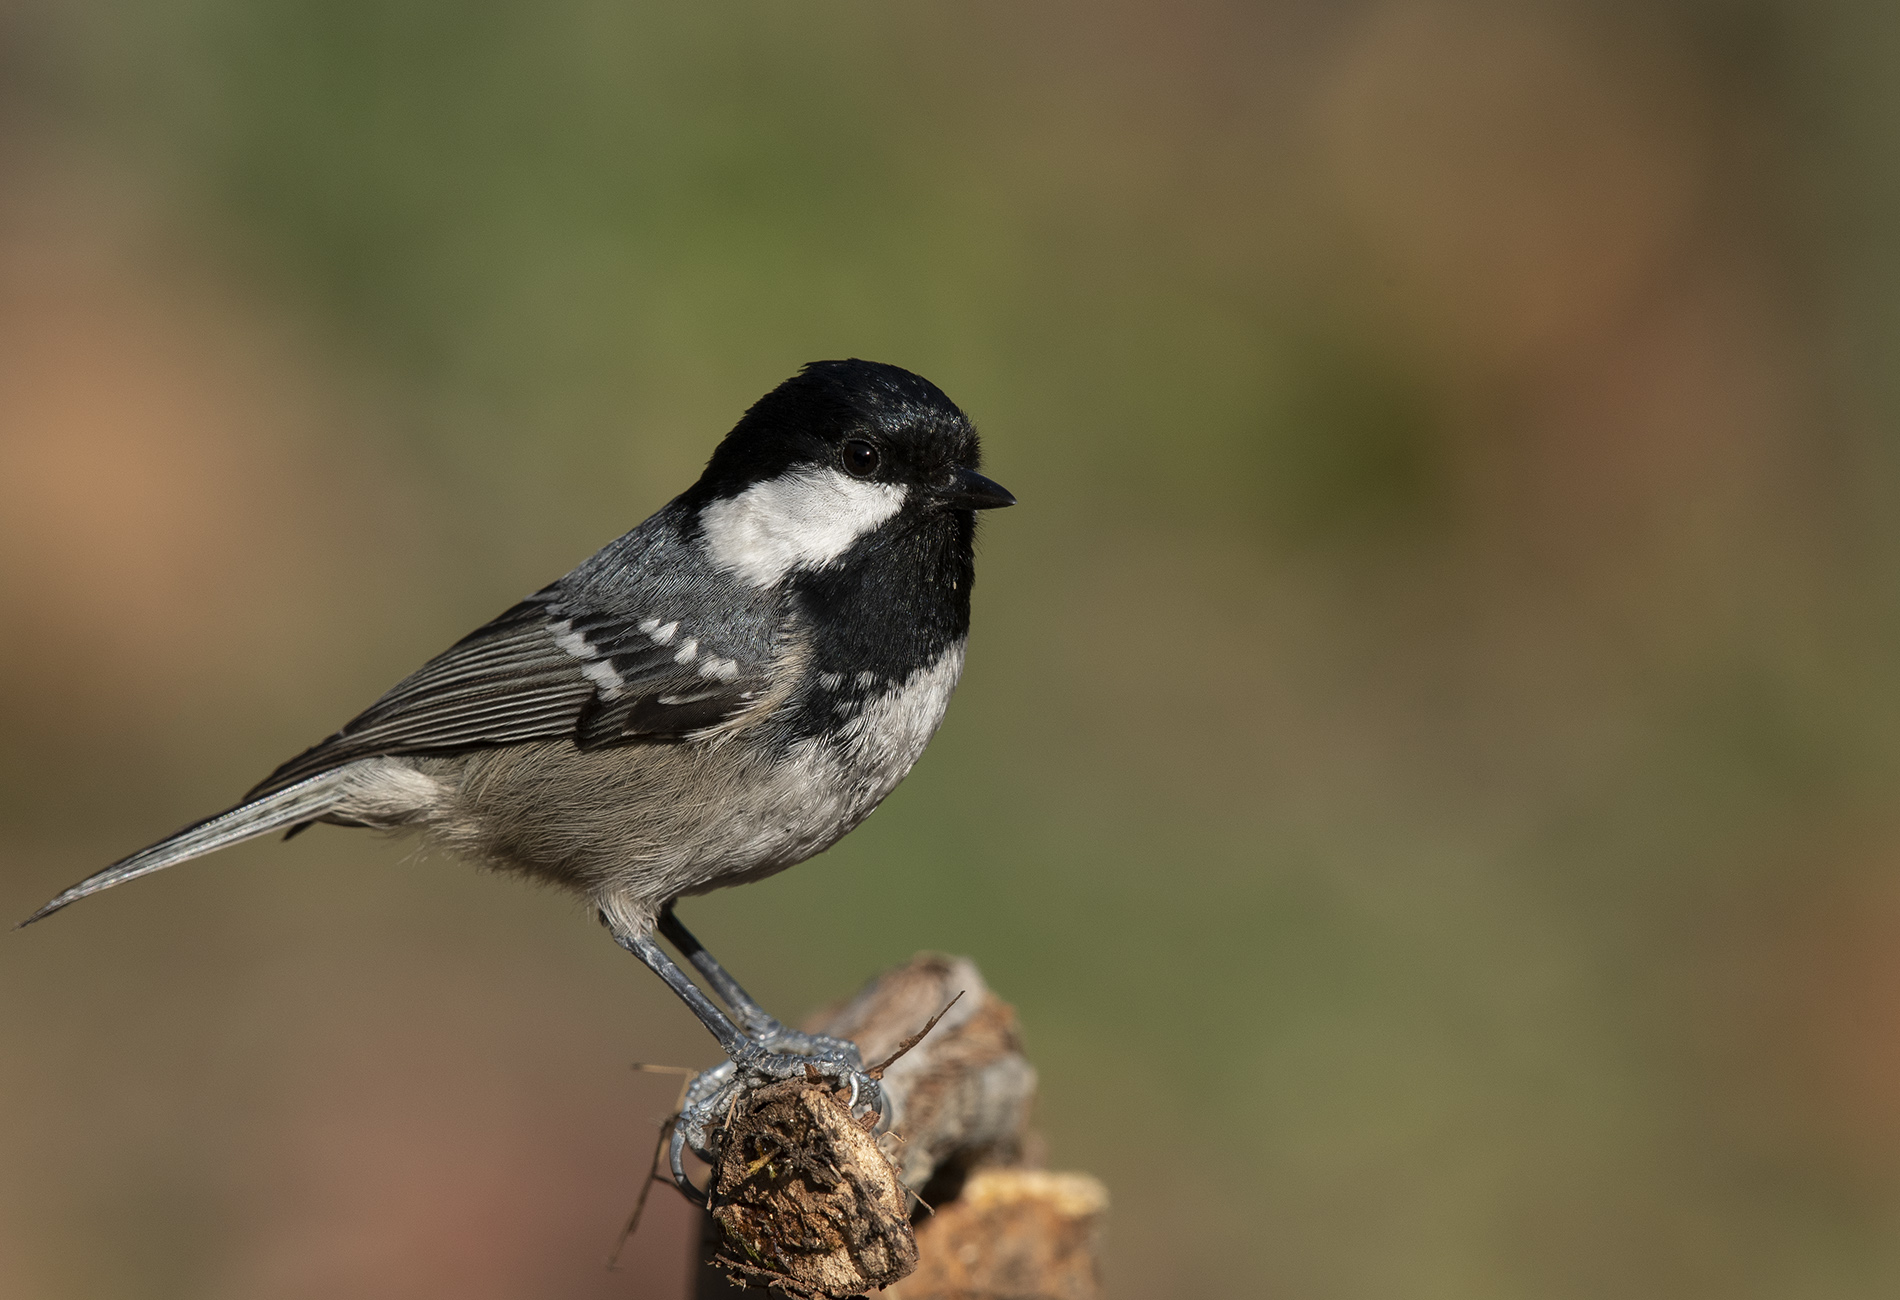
(804, 1199)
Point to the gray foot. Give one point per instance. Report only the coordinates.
(820, 1047)
(789, 1054)
(759, 1050)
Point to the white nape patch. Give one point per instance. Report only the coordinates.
(831, 681)
(723, 670)
(688, 648)
(866, 678)
(804, 519)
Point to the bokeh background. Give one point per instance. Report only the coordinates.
(1426, 770)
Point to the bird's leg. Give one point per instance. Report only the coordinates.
(753, 1018)
(755, 1056)
(759, 1025)
(731, 1038)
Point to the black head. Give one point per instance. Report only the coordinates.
(872, 423)
(852, 488)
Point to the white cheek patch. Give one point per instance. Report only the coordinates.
(802, 520)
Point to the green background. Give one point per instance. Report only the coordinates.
(1425, 768)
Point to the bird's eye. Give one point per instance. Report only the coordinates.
(860, 457)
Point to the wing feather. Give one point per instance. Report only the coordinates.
(536, 673)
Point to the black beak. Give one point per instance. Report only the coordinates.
(969, 490)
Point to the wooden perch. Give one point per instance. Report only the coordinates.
(1015, 1234)
(805, 1201)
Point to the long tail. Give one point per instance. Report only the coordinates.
(308, 799)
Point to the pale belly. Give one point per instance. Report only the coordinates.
(637, 826)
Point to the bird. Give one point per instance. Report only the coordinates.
(721, 693)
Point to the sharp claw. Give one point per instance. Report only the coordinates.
(676, 1153)
(710, 1095)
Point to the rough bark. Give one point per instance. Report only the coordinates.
(1015, 1233)
(804, 1201)
(962, 1096)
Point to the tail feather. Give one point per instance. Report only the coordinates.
(302, 802)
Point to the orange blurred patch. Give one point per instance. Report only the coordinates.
(171, 502)
(1845, 1031)
(1519, 182)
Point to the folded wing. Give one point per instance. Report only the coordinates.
(544, 672)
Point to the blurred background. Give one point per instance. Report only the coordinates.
(1426, 769)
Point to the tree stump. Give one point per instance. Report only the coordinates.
(805, 1201)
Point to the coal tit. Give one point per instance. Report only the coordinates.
(718, 695)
